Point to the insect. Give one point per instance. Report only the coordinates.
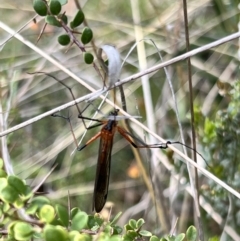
(106, 136)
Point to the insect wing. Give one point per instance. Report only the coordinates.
(103, 170)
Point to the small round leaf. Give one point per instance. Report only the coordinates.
(73, 212)
(18, 203)
(133, 223)
(73, 234)
(83, 237)
(64, 39)
(9, 194)
(22, 231)
(47, 213)
(40, 201)
(145, 233)
(191, 233)
(154, 238)
(52, 21)
(87, 35)
(17, 184)
(3, 183)
(62, 213)
(88, 58)
(3, 173)
(55, 7)
(78, 19)
(55, 233)
(5, 207)
(181, 237)
(40, 7)
(131, 235)
(140, 223)
(79, 221)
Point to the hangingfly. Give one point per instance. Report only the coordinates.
(106, 136)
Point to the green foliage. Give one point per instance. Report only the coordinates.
(88, 58)
(40, 7)
(191, 234)
(55, 18)
(22, 231)
(79, 221)
(64, 39)
(47, 213)
(62, 213)
(87, 35)
(52, 21)
(55, 233)
(55, 7)
(220, 137)
(53, 222)
(78, 19)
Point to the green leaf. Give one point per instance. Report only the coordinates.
(17, 184)
(115, 238)
(115, 219)
(154, 238)
(3, 173)
(74, 211)
(64, 39)
(140, 223)
(64, 18)
(6, 207)
(133, 223)
(28, 194)
(3, 183)
(79, 221)
(94, 222)
(40, 7)
(10, 228)
(180, 237)
(47, 213)
(127, 227)
(73, 234)
(62, 213)
(18, 203)
(22, 231)
(9, 194)
(83, 237)
(117, 230)
(88, 58)
(55, 7)
(78, 19)
(131, 235)
(36, 204)
(40, 201)
(191, 234)
(145, 233)
(52, 233)
(87, 35)
(52, 21)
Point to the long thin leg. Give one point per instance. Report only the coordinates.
(90, 141)
(129, 137)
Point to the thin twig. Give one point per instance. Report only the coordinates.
(189, 69)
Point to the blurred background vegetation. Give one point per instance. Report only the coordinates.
(33, 150)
